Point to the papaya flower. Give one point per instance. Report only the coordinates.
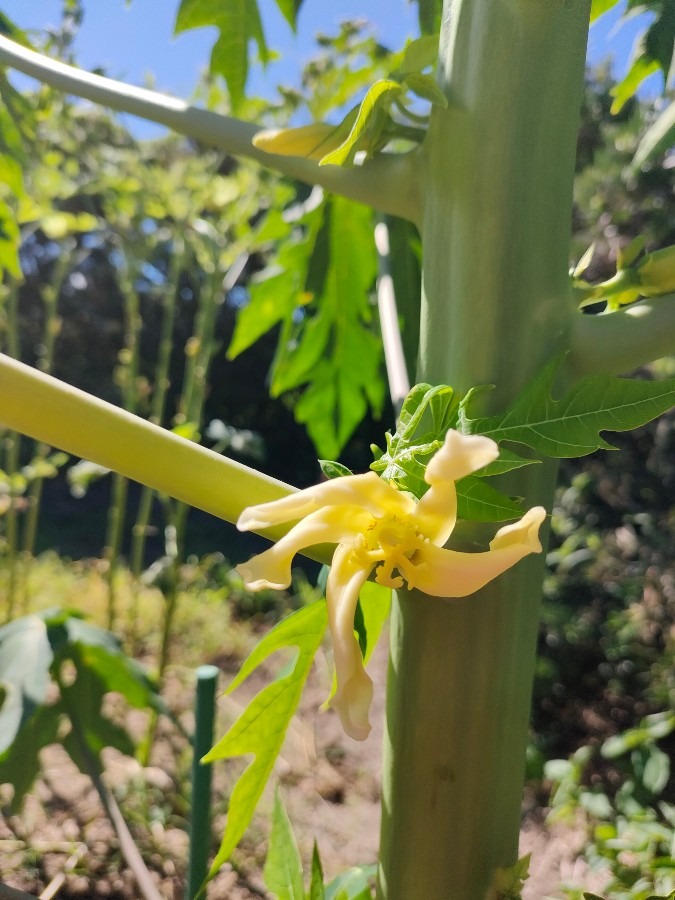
(383, 531)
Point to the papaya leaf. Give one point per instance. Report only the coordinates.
(506, 462)
(429, 13)
(328, 347)
(352, 884)
(653, 52)
(25, 658)
(261, 728)
(479, 502)
(283, 868)
(20, 761)
(238, 23)
(600, 7)
(658, 138)
(289, 9)
(410, 448)
(571, 426)
(316, 891)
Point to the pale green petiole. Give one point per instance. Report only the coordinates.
(63, 416)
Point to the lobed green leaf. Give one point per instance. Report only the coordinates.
(238, 23)
(479, 502)
(25, 658)
(571, 426)
(261, 728)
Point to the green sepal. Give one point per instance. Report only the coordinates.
(261, 727)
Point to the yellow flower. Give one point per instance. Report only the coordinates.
(377, 527)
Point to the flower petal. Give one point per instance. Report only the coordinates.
(272, 568)
(367, 491)
(354, 688)
(436, 512)
(449, 573)
(461, 454)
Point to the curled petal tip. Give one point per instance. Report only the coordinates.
(460, 455)
(524, 532)
(255, 581)
(248, 521)
(352, 704)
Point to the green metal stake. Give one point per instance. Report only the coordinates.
(200, 825)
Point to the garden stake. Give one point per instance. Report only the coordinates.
(200, 822)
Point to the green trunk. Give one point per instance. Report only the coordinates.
(499, 166)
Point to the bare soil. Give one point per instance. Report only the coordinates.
(62, 845)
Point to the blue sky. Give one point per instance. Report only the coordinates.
(131, 41)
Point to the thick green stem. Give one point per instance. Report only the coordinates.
(496, 304)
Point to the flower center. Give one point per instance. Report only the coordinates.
(390, 542)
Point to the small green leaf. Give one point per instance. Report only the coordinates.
(426, 87)
(479, 502)
(283, 868)
(381, 91)
(571, 426)
(419, 54)
(352, 884)
(316, 890)
(656, 773)
(332, 469)
(261, 727)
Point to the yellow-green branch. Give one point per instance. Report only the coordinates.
(621, 341)
(388, 183)
(63, 416)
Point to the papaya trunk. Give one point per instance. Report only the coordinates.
(499, 166)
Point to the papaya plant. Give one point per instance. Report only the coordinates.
(517, 364)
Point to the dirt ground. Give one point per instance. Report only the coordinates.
(63, 846)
